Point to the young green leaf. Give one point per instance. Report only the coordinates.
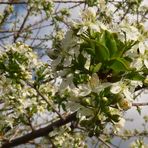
(102, 53)
(120, 65)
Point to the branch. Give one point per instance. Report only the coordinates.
(70, 1)
(22, 26)
(140, 104)
(126, 12)
(5, 15)
(55, 1)
(40, 132)
(105, 143)
(12, 3)
(46, 100)
(140, 134)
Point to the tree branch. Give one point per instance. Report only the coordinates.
(46, 100)
(140, 104)
(105, 143)
(22, 26)
(55, 1)
(69, 1)
(40, 132)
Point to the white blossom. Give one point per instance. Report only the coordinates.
(125, 104)
(131, 32)
(121, 87)
(89, 14)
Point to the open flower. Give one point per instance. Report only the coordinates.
(94, 85)
(125, 104)
(88, 14)
(121, 87)
(131, 32)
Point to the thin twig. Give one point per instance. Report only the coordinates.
(46, 100)
(140, 104)
(100, 139)
(22, 26)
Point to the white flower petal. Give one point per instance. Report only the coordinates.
(136, 83)
(115, 89)
(88, 14)
(141, 48)
(137, 64)
(83, 111)
(94, 27)
(146, 63)
(84, 90)
(73, 106)
(82, 30)
(87, 64)
(94, 81)
(127, 94)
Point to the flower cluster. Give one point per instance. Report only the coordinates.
(40, 6)
(97, 70)
(23, 80)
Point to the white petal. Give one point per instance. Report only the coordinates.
(85, 112)
(137, 64)
(67, 61)
(146, 63)
(141, 48)
(95, 27)
(87, 64)
(94, 81)
(127, 94)
(73, 106)
(84, 90)
(115, 89)
(136, 83)
(101, 87)
(82, 30)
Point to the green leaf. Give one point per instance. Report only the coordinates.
(119, 65)
(80, 78)
(101, 53)
(123, 47)
(107, 39)
(129, 45)
(90, 51)
(83, 46)
(95, 68)
(91, 3)
(135, 76)
(102, 39)
(120, 47)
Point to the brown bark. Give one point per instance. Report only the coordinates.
(39, 132)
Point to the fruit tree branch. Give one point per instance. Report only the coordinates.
(39, 132)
